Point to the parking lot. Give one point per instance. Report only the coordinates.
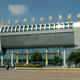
(39, 74)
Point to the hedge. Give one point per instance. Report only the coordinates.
(29, 65)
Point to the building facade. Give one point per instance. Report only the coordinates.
(52, 35)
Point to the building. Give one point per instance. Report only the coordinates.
(52, 35)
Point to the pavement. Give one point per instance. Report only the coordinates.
(38, 74)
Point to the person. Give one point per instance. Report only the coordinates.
(13, 65)
(7, 66)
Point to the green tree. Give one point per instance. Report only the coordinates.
(36, 57)
(57, 60)
(75, 57)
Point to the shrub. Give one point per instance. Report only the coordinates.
(29, 65)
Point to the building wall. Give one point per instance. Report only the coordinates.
(55, 38)
(77, 38)
(0, 46)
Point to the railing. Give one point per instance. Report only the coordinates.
(38, 27)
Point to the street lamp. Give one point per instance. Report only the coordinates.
(33, 20)
(78, 15)
(50, 18)
(25, 20)
(9, 21)
(16, 21)
(69, 16)
(41, 19)
(60, 17)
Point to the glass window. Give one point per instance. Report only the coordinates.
(13, 30)
(17, 29)
(6, 29)
(56, 24)
(21, 29)
(65, 25)
(70, 25)
(38, 27)
(9, 29)
(2, 29)
(51, 26)
(61, 23)
(29, 28)
(34, 27)
(42, 27)
(47, 26)
(25, 28)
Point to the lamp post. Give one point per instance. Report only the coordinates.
(50, 18)
(41, 19)
(60, 17)
(69, 16)
(16, 21)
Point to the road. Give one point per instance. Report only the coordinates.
(39, 75)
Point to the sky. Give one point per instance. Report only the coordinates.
(20, 9)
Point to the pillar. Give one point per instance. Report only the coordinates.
(12, 58)
(27, 58)
(58, 51)
(17, 60)
(46, 57)
(64, 58)
(2, 60)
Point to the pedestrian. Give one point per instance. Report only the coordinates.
(7, 66)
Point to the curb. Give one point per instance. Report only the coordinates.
(67, 69)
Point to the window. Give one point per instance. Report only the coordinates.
(56, 24)
(34, 27)
(21, 29)
(2, 29)
(70, 25)
(9, 30)
(66, 25)
(61, 23)
(29, 28)
(17, 29)
(47, 26)
(25, 28)
(42, 27)
(6, 28)
(51, 26)
(13, 30)
(38, 27)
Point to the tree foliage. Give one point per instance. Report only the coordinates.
(75, 57)
(57, 60)
(36, 57)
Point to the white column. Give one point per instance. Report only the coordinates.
(1, 60)
(49, 26)
(40, 27)
(12, 57)
(23, 28)
(31, 27)
(27, 27)
(64, 58)
(58, 51)
(19, 28)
